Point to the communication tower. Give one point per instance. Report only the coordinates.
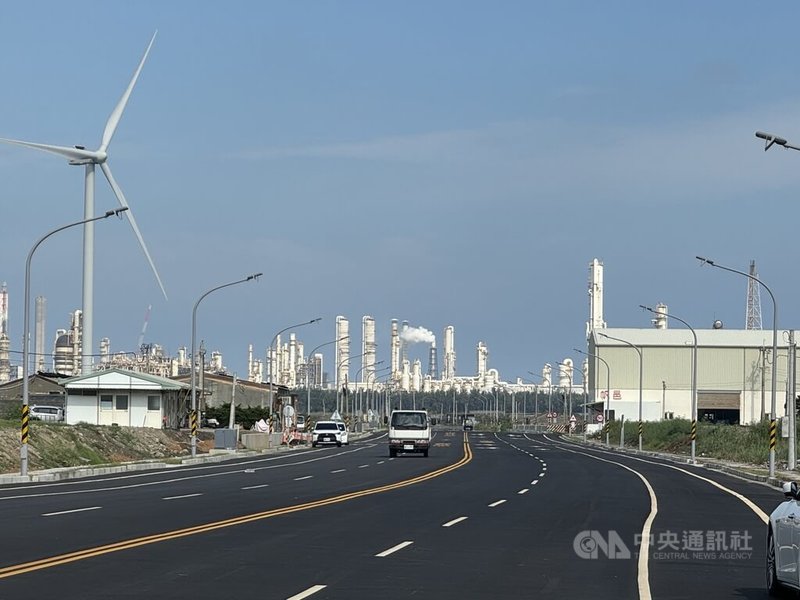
(753, 319)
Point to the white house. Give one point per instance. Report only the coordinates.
(125, 398)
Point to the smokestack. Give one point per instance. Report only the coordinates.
(38, 348)
(433, 369)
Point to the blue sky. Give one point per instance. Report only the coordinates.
(446, 163)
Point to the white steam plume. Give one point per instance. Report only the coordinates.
(412, 335)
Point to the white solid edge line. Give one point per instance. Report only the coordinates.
(498, 503)
(179, 497)
(643, 578)
(393, 549)
(66, 512)
(454, 521)
(749, 503)
(305, 594)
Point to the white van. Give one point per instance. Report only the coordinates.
(409, 431)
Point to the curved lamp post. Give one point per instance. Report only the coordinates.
(23, 451)
(694, 374)
(772, 423)
(193, 415)
(310, 355)
(771, 139)
(608, 396)
(271, 374)
(639, 351)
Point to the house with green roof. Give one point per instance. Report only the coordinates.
(126, 398)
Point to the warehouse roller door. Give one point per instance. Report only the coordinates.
(718, 407)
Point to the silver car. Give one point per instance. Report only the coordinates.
(783, 543)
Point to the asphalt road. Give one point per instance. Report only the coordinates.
(484, 516)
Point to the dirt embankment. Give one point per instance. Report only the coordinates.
(52, 445)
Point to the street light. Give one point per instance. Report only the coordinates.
(608, 396)
(193, 415)
(772, 422)
(549, 383)
(694, 375)
(380, 362)
(23, 451)
(271, 374)
(346, 361)
(771, 139)
(311, 355)
(639, 351)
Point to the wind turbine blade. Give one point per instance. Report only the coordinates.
(116, 114)
(71, 153)
(121, 198)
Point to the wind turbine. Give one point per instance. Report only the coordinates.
(79, 155)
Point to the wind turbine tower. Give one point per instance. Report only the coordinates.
(80, 156)
(753, 319)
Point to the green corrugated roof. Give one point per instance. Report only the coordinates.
(167, 384)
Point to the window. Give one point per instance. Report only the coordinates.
(154, 403)
(121, 402)
(106, 401)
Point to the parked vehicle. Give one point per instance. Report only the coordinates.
(782, 553)
(46, 413)
(409, 431)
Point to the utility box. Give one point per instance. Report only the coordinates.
(225, 439)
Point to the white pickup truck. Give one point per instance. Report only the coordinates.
(409, 431)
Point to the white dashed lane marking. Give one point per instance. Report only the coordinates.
(393, 549)
(255, 487)
(75, 510)
(306, 593)
(304, 477)
(454, 521)
(179, 497)
(498, 503)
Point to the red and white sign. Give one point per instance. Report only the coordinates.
(599, 418)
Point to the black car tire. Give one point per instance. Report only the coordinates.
(313, 444)
(425, 453)
(774, 588)
(392, 452)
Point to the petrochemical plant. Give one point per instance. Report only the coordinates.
(287, 363)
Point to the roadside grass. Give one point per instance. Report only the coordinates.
(736, 443)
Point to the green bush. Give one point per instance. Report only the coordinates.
(245, 416)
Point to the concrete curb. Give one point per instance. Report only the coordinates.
(213, 457)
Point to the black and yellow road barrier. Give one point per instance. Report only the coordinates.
(25, 424)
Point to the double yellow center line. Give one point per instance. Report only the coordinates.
(61, 559)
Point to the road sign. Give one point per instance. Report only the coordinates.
(599, 418)
(572, 419)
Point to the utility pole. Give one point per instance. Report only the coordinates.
(790, 401)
